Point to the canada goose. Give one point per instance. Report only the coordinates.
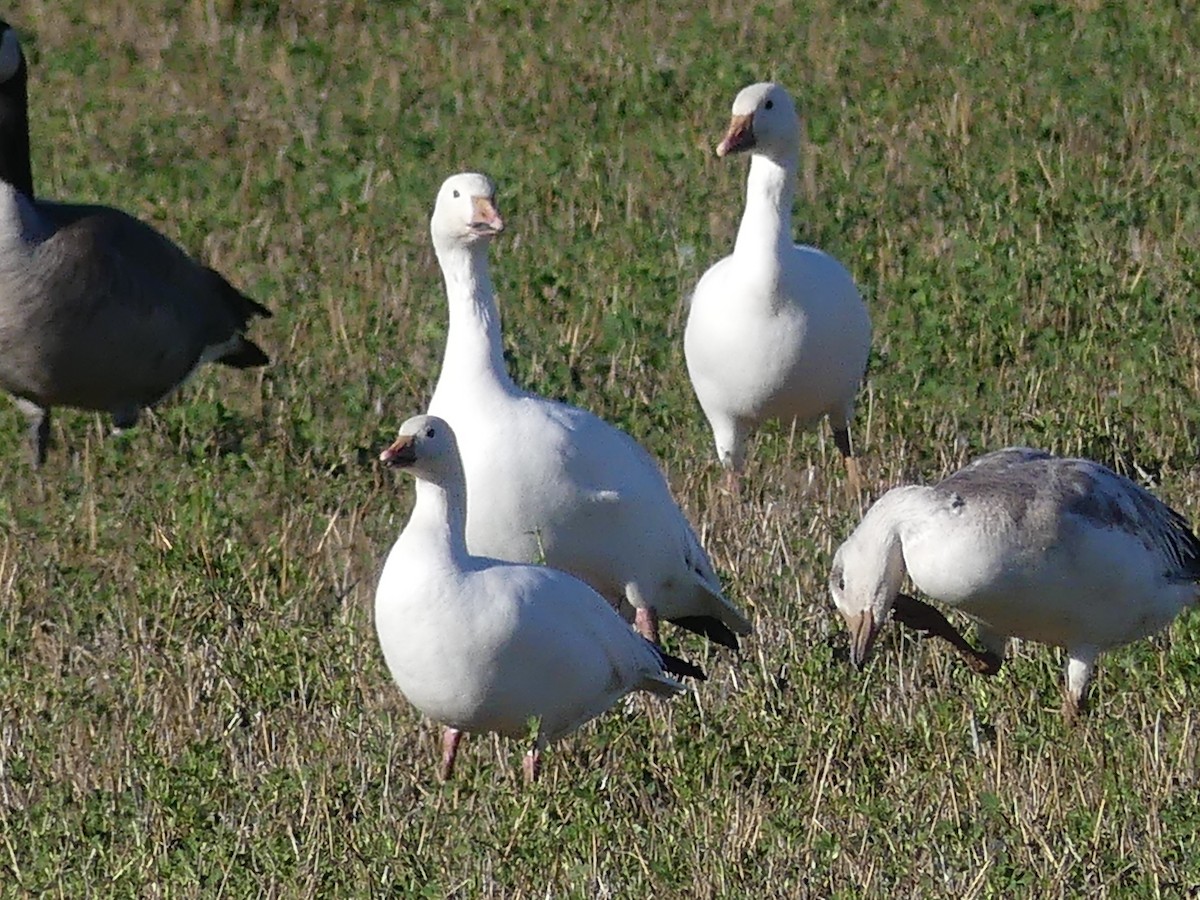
(98, 310)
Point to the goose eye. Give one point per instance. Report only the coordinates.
(770, 104)
(456, 195)
(429, 432)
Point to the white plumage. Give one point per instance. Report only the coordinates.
(550, 482)
(484, 645)
(1029, 545)
(775, 331)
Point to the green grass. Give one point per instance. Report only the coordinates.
(194, 701)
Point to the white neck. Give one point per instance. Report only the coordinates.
(892, 522)
(474, 350)
(439, 519)
(766, 228)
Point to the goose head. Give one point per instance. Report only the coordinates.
(764, 121)
(14, 112)
(465, 212)
(426, 446)
(864, 580)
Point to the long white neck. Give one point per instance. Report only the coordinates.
(439, 520)
(474, 349)
(895, 519)
(766, 229)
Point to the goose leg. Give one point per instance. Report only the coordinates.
(532, 765)
(39, 430)
(1081, 663)
(124, 417)
(450, 740)
(731, 483)
(646, 622)
(841, 437)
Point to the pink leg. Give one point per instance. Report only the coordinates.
(532, 766)
(450, 739)
(646, 621)
(732, 483)
(841, 437)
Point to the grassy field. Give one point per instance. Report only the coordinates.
(194, 703)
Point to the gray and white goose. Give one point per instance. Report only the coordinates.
(1060, 551)
(98, 310)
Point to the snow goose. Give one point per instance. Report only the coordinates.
(98, 310)
(1060, 551)
(775, 331)
(484, 645)
(578, 494)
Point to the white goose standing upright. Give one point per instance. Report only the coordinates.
(1060, 551)
(550, 482)
(775, 331)
(98, 310)
(483, 645)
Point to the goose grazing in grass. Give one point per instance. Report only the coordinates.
(577, 493)
(98, 311)
(775, 331)
(1060, 551)
(484, 645)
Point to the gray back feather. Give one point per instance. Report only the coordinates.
(1030, 487)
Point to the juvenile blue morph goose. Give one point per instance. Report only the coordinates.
(1060, 551)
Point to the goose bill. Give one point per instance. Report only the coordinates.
(400, 453)
(862, 636)
(487, 219)
(740, 136)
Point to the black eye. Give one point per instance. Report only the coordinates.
(770, 104)
(456, 194)
(429, 432)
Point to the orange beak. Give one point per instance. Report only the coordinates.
(400, 453)
(739, 137)
(862, 637)
(486, 219)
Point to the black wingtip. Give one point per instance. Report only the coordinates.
(681, 667)
(707, 626)
(246, 355)
(236, 302)
(257, 308)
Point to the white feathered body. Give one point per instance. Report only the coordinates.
(785, 341)
(1060, 551)
(483, 645)
(552, 483)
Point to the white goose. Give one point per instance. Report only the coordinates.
(98, 310)
(482, 645)
(550, 482)
(1060, 551)
(776, 331)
